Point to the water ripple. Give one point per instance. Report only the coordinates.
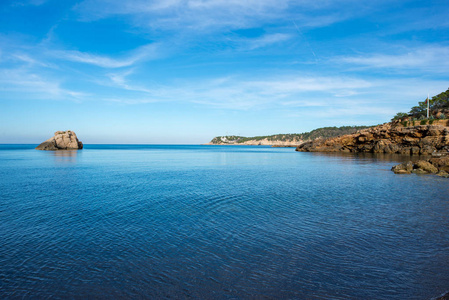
(204, 222)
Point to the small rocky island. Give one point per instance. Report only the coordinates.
(62, 140)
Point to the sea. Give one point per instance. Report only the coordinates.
(218, 222)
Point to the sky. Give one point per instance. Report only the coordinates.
(185, 71)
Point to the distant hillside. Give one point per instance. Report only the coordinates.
(293, 139)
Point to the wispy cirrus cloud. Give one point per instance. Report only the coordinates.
(430, 58)
(207, 16)
(31, 85)
(242, 94)
(291, 91)
(146, 52)
(265, 40)
(28, 2)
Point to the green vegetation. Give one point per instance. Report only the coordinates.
(400, 115)
(436, 103)
(324, 132)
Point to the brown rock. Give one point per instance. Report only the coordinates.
(443, 174)
(442, 163)
(426, 166)
(62, 140)
(404, 168)
(420, 171)
(386, 138)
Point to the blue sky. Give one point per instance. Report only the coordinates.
(184, 71)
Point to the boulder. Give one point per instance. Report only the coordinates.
(62, 140)
(404, 168)
(443, 174)
(441, 163)
(435, 165)
(426, 166)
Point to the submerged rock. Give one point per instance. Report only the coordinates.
(62, 140)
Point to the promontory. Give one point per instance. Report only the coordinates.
(62, 140)
(391, 137)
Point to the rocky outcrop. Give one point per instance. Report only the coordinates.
(435, 165)
(387, 138)
(62, 140)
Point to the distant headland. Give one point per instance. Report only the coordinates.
(285, 140)
(62, 140)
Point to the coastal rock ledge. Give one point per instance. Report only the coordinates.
(387, 138)
(62, 140)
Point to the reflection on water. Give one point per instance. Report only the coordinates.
(65, 156)
(218, 222)
(362, 158)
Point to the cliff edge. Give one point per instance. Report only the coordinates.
(62, 140)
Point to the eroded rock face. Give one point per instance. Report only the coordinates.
(386, 138)
(62, 140)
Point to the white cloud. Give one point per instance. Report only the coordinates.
(29, 2)
(119, 80)
(266, 40)
(241, 94)
(31, 85)
(430, 58)
(142, 53)
(327, 97)
(198, 16)
(31, 60)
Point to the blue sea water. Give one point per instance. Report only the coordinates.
(218, 222)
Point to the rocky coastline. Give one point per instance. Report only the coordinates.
(394, 137)
(391, 137)
(62, 140)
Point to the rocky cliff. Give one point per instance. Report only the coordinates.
(62, 140)
(391, 137)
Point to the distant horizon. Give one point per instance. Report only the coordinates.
(106, 143)
(186, 71)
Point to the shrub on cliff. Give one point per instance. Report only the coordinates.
(399, 115)
(438, 102)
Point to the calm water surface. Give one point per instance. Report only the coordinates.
(218, 222)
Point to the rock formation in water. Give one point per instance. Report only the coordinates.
(391, 137)
(62, 140)
(435, 165)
